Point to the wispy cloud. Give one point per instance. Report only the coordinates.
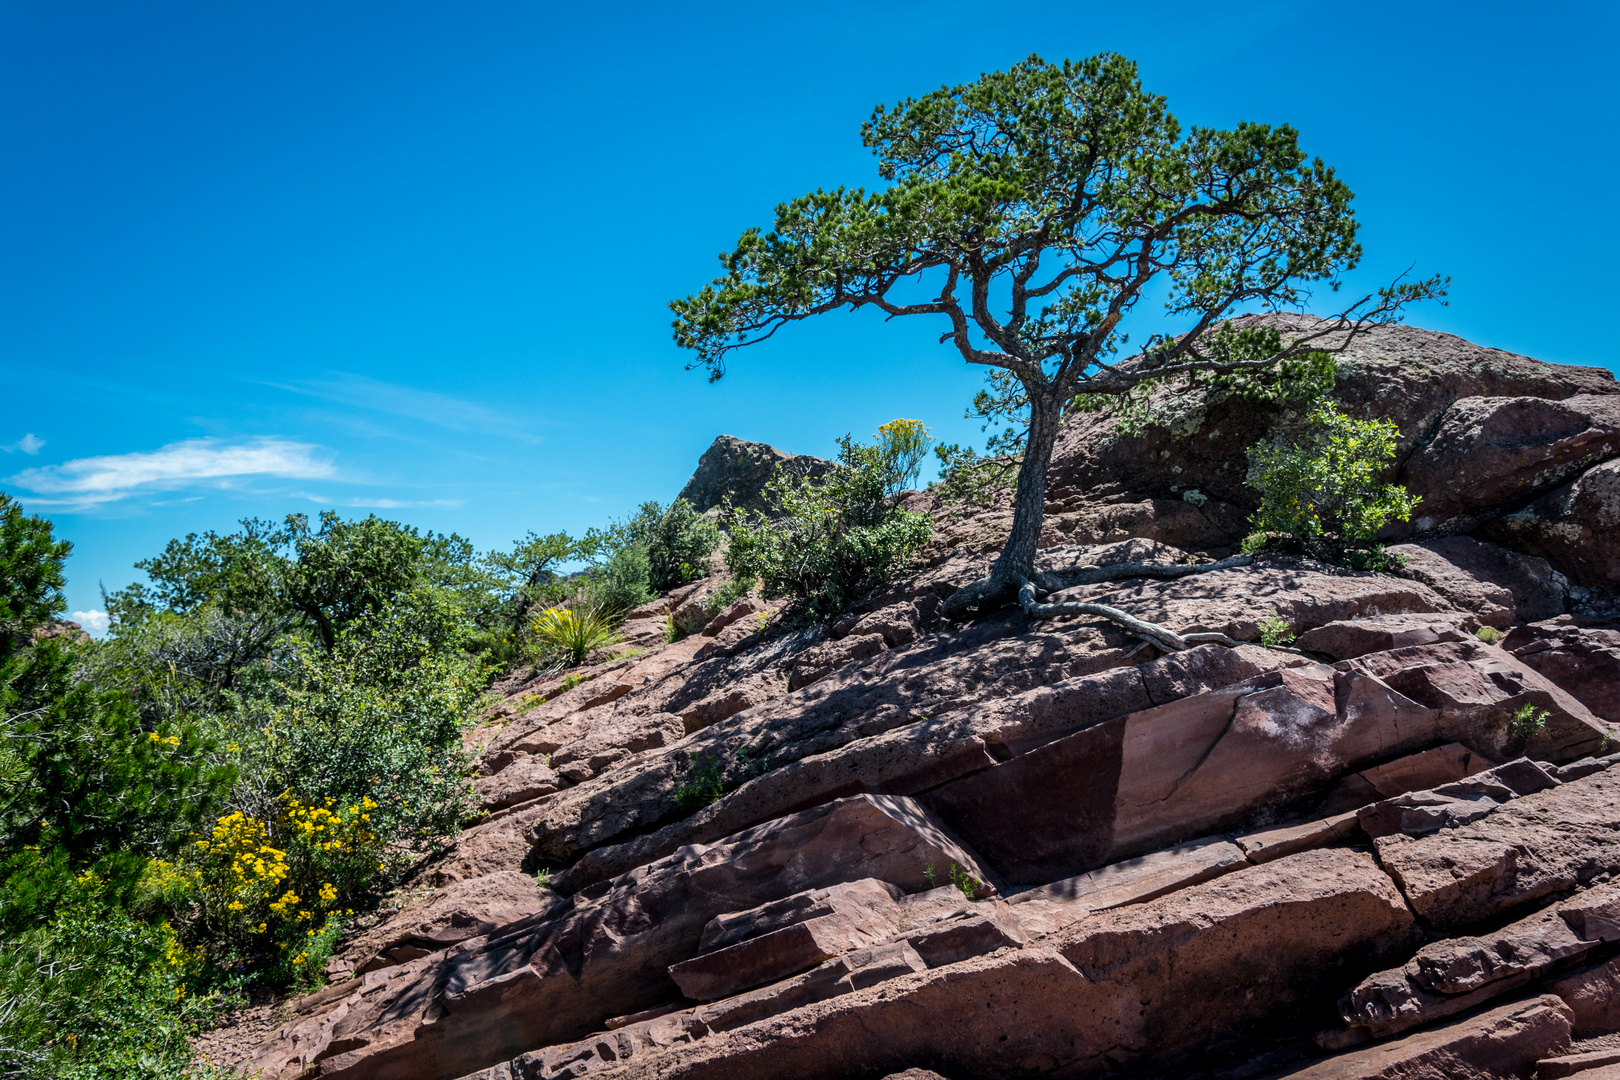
(383, 504)
(28, 444)
(454, 413)
(94, 480)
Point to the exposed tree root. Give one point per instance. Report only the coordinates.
(969, 598)
(1163, 637)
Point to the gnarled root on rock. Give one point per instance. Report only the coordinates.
(968, 599)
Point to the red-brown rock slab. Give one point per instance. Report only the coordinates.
(1133, 988)
(1453, 975)
(1503, 1042)
(1144, 878)
(1272, 844)
(465, 909)
(1414, 772)
(776, 940)
(1593, 994)
(1351, 638)
(1478, 688)
(1473, 573)
(1533, 847)
(489, 999)
(528, 777)
(1203, 764)
(881, 750)
(981, 929)
(1590, 1065)
(1583, 661)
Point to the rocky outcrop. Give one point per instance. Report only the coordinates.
(740, 469)
(891, 846)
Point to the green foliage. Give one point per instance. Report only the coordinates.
(1322, 487)
(903, 444)
(969, 885)
(678, 542)
(91, 992)
(379, 717)
(836, 537)
(1490, 635)
(622, 582)
(323, 577)
(31, 577)
(569, 633)
(1274, 630)
(1528, 721)
(573, 679)
(704, 786)
(728, 593)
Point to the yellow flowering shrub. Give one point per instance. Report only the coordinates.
(274, 891)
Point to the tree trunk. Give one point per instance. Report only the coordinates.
(1017, 559)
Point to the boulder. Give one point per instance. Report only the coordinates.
(1491, 452)
(740, 469)
(1199, 442)
(1503, 1042)
(1576, 527)
(1472, 575)
(1584, 661)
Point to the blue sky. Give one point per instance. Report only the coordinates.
(261, 258)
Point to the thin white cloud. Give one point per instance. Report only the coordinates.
(94, 622)
(380, 503)
(29, 444)
(443, 410)
(93, 480)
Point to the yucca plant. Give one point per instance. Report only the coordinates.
(573, 631)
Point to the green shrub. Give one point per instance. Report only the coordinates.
(678, 542)
(91, 992)
(569, 633)
(1528, 721)
(1490, 635)
(1322, 486)
(836, 537)
(1274, 630)
(727, 594)
(624, 581)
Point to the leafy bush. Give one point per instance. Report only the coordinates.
(1274, 630)
(678, 542)
(1528, 721)
(92, 992)
(836, 538)
(727, 594)
(1322, 486)
(569, 633)
(903, 445)
(624, 581)
(1490, 635)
